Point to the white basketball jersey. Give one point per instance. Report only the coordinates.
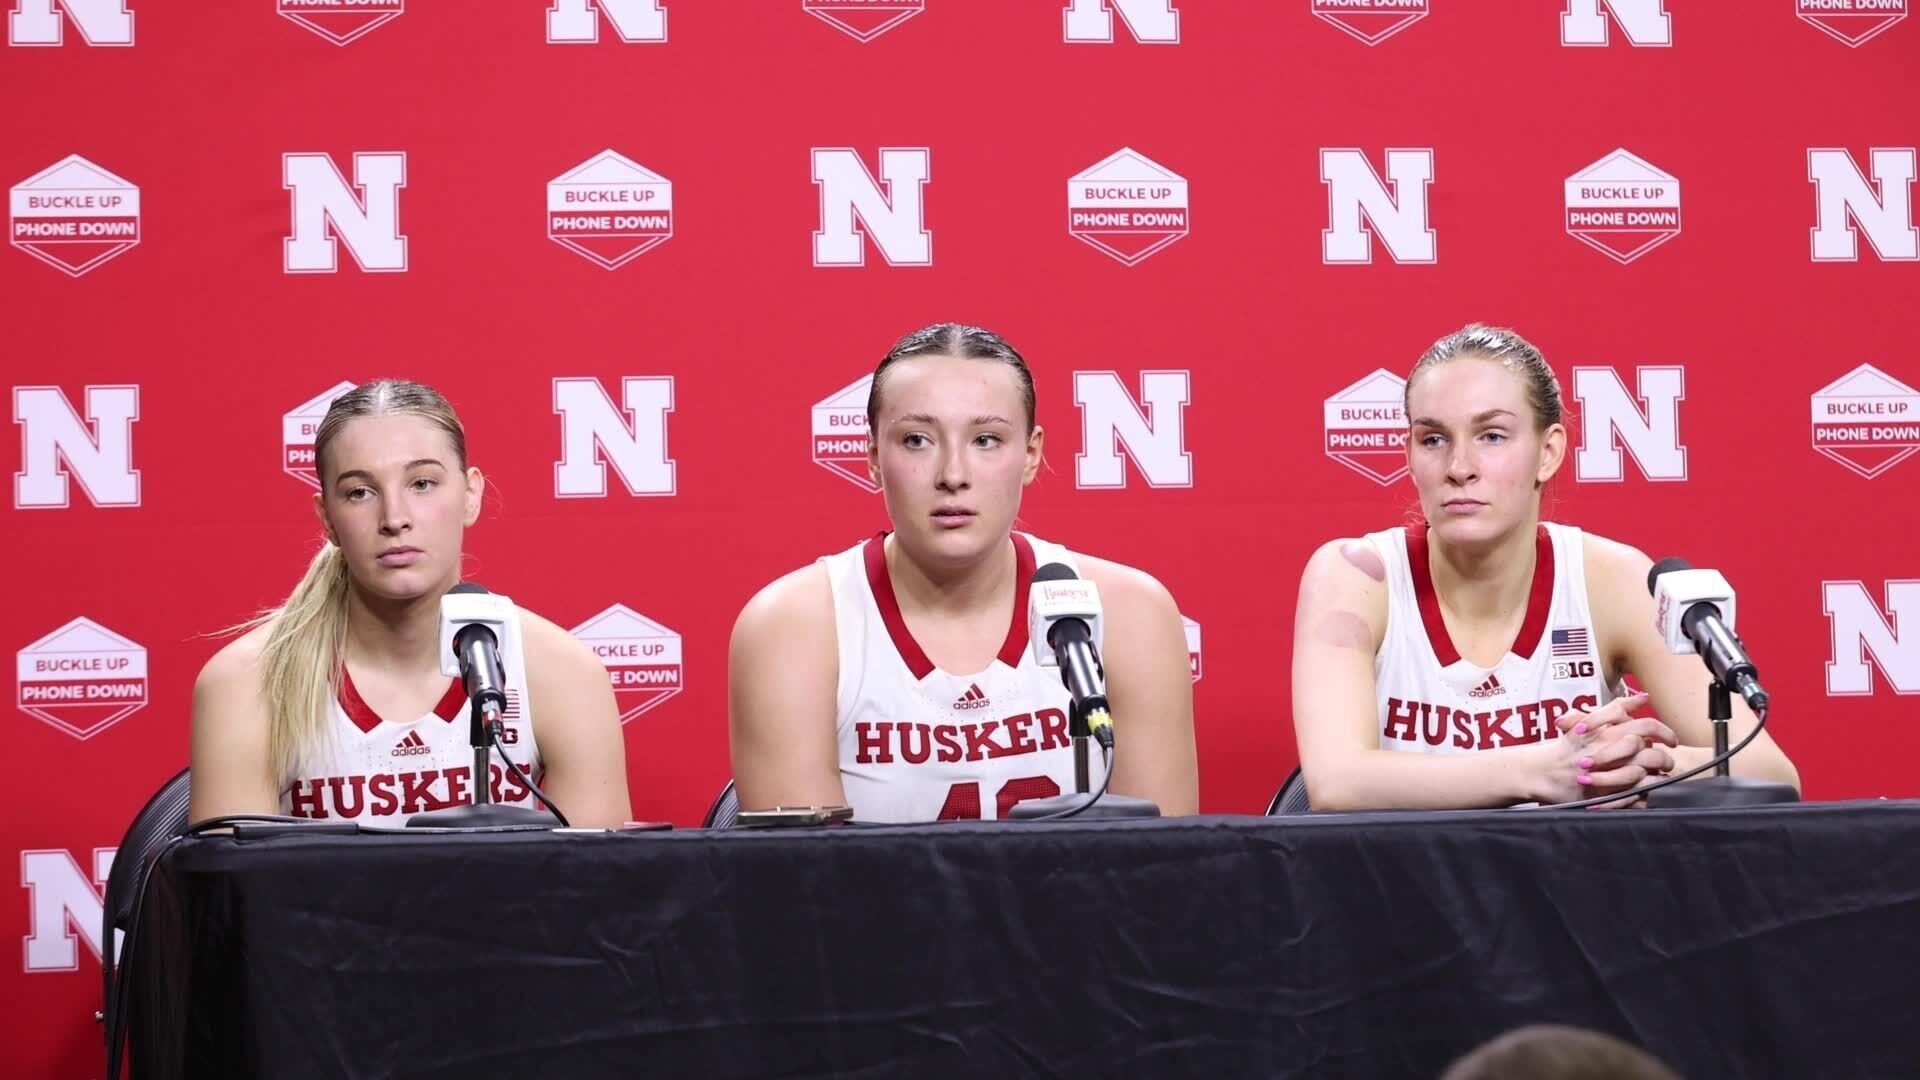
(1431, 700)
(921, 744)
(378, 770)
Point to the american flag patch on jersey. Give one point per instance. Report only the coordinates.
(512, 711)
(1570, 642)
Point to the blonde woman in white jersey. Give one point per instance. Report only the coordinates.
(1476, 659)
(896, 677)
(333, 705)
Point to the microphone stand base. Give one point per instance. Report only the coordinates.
(484, 816)
(1719, 791)
(1107, 807)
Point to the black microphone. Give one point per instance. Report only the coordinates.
(1063, 624)
(1693, 610)
(472, 623)
(1062, 611)
(475, 646)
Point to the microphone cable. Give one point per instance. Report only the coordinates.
(1106, 762)
(493, 734)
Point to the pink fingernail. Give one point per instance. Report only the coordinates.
(1579, 729)
(1584, 779)
(1586, 763)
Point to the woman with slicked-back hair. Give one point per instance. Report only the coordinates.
(333, 704)
(1476, 657)
(897, 677)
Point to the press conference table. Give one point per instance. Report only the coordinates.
(1767, 942)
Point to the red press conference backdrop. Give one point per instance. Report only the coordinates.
(650, 251)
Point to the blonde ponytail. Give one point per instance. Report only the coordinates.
(300, 664)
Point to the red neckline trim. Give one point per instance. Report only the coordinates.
(1539, 597)
(448, 708)
(910, 651)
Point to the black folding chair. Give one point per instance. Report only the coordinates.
(725, 811)
(1292, 796)
(158, 823)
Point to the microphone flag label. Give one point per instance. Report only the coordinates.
(1867, 420)
(82, 678)
(1366, 427)
(642, 658)
(840, 434)
(74, 215)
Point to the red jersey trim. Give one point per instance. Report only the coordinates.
(881, 586)
(1539, 598)
(449, 707)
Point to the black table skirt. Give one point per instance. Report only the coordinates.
(1774, 942)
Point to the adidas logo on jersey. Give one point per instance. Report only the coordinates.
(1490, 688)
(411, 745)
(973, 698)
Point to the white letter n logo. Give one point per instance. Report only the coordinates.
(1154, 438)
(101, 22)
(1355, 191)
(1860, 631)
(55, 444)
(62, 904)
(896, 219)
(590, 428)
(367, 219)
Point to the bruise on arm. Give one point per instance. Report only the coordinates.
(1364, 559)
(1344, 630)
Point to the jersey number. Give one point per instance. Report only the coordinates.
(963, 799)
